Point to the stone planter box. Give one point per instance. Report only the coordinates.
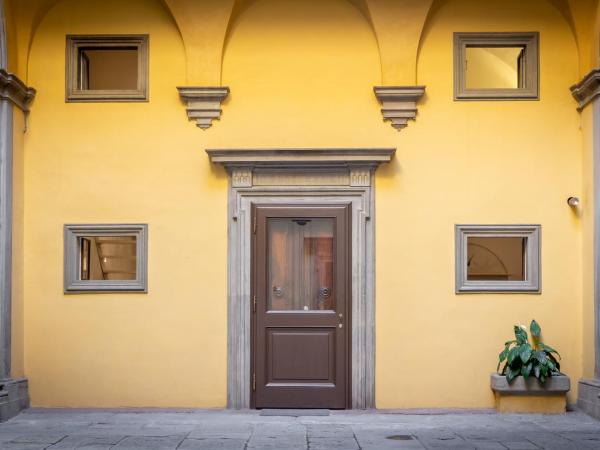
(530, 396)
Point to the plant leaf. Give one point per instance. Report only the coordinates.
(512, 354)
(553, 359)
(503, 371)
(536, 371)
(521, 335)
(535, 328)
(511, 374)
(502, 356)
(526, 370)
(540, 356)
(549, 349)
(525, 353)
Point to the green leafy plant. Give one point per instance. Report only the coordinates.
(522, 357)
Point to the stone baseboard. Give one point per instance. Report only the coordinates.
(588, 399)
(14, 397)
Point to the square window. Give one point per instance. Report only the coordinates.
(107, 68)
(105, 258)
(496, 66)
(497, 258)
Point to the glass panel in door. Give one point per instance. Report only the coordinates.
(300, 264)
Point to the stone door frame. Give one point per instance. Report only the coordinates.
(300, 177)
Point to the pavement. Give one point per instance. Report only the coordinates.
(37, 429)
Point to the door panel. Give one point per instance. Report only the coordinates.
(307, 364)
(300, 282)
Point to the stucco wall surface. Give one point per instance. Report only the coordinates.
(301, 74)
(476, 162)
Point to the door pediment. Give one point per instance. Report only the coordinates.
(301, 167)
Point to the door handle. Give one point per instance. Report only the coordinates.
(341, 324)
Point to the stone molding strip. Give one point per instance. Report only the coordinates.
(399, 103)
(301, 157)
(587, 89)
(13, 89)
(203, 103)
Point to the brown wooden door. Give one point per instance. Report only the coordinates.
(301, 285)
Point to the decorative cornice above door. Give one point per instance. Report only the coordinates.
(293, 167)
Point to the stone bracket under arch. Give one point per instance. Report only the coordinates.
(399, 103)
(203, 103)
(301, 176)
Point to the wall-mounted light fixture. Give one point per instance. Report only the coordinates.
(573, 202)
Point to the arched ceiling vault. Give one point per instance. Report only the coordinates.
(397, 24)
(26, 16)
(584, 19)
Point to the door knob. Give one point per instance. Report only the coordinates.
(324, 292)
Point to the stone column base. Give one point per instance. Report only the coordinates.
(14, 397)
(588, 399)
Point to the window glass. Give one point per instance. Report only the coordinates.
(496, 258)
(300, 261)
(108, 68)
(108, 258)
(494, 67)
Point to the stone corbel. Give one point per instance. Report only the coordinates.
(203, 103)
(14, 90)
(587, 89)
(241, 176)
(399, 103)
(360, 176)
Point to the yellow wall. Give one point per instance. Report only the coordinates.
(587, 216)
(476, 162)
(117, 162)
(301, 75)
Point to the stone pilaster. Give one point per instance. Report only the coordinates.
(587, 94)
(14, 396)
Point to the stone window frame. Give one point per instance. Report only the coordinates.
(76, 42)
(532, 282)
(529, 40)
(72, 260)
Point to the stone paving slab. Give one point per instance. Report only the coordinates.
(213, 444)
(38, 429)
